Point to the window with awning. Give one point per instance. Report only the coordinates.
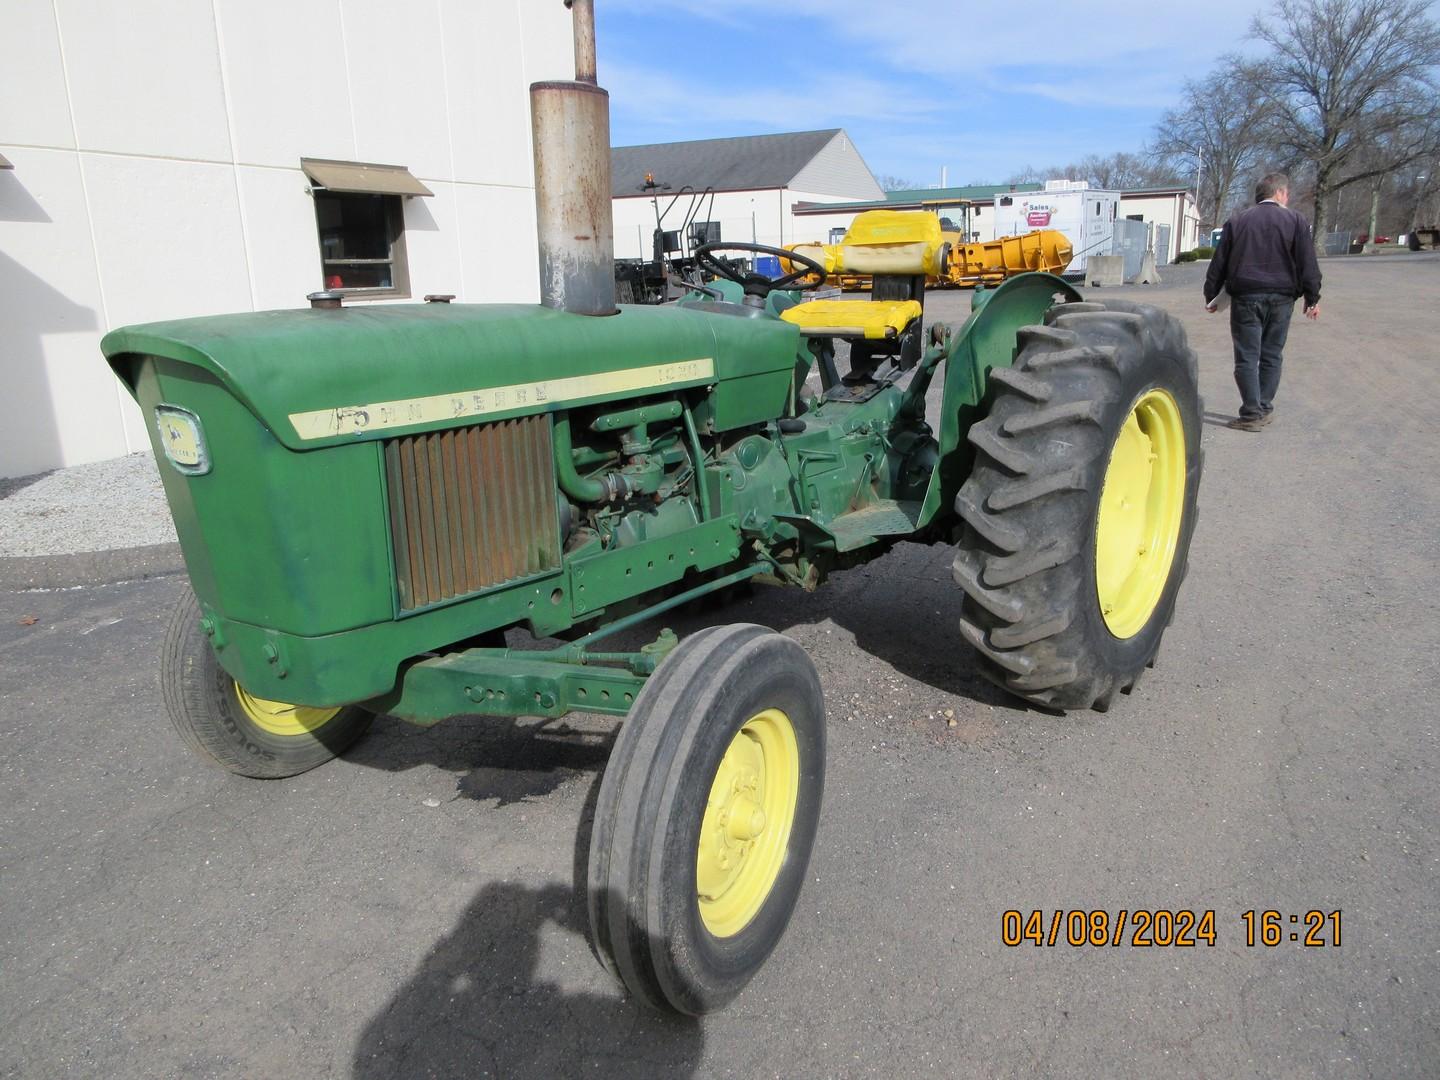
(360, 216)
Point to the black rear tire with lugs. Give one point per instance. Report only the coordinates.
(1027, 558)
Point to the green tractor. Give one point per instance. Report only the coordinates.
(369, 498)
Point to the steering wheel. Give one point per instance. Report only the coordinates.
(758, 284)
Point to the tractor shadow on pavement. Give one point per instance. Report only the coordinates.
(493, 758)
(903, 611)
(478, 1005)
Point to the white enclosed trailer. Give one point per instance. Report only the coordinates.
(1084, 214)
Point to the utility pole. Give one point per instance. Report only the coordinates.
(1370, 247)
(1199, 193)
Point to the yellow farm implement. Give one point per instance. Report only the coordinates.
(968, 264)
(991, 262)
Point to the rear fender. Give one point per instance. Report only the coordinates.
(986, 340)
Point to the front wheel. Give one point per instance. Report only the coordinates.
(228, 726)
(1081, 504)
(706, 816)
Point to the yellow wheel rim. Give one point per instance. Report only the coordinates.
(1141, 504)
(746, 829)
(279, 718)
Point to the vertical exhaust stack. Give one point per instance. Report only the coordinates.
(570, 123)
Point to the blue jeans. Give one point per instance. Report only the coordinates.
(1259, 324)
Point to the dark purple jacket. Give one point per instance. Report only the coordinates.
(1266, 248)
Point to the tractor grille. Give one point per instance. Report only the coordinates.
(470, 508)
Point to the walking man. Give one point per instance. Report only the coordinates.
(1265, 259)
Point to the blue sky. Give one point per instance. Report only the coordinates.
(982, 89)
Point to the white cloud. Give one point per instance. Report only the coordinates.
(676, 102)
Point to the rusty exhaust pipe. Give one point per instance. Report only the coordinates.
(570, 124)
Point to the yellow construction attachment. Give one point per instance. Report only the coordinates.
(994, 260)
(871, 319)
(880, 242)
(850, 263)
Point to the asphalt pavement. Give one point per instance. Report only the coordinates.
(409, 911)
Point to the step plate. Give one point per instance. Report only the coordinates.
(884, 518)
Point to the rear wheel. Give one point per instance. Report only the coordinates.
(1081, 504)
(228, 726)
(706, 816)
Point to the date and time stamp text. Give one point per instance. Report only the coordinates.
(1164, 928)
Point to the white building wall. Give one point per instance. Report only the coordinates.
(815, 228)
(156, 148)
(1174, 210)
(800, 228)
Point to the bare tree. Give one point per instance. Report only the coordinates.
(1119, 170)
(1219, 131)
(1388, 201)
(1417, 198)
(1029, 174)
(897, 183)
(1116, 172)
(1344, 74)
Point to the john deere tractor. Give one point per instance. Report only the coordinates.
(439, 509)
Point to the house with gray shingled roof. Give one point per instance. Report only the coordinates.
(744, 188)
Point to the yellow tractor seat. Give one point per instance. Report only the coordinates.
(896, 250)
(888, 245)
(875, 320)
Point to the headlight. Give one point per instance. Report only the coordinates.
(183, 439)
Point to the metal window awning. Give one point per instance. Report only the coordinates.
(361, 177)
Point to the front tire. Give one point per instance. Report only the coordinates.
(228, 726)
(1081, 504)
(706, 817)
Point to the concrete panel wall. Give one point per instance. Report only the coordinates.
(168, 237)
(30, 57)
(281, 245)
(51, 312)
(486, 86)
(287, 80)
(496, 258)
(157, 150)
(144, 77)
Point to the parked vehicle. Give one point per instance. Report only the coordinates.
(369, 498)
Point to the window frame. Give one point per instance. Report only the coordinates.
(399, 263)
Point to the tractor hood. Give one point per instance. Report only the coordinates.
(317, 377)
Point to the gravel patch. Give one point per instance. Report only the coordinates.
(97, 507)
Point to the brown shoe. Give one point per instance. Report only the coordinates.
(1248, 423)
(1267, 417)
